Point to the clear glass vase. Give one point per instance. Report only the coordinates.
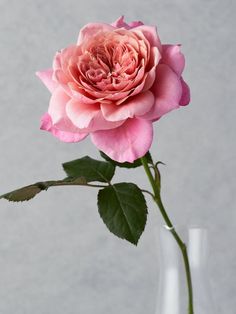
(173, 293)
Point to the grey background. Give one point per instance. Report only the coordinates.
(56, 256)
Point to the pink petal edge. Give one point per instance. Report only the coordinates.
(68, 137)
(91, 29)
(173, 57)
(135, 106)
(57, 104)
(46, 77)
(185, 98)
(119, 23)
(81, 114)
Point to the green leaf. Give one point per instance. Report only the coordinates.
(135, 164)
(23, 194)
(123, 209)
(28, 192)
(90, 169)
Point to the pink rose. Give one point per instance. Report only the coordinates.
(113, 84)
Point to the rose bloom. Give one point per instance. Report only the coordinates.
(112, 85)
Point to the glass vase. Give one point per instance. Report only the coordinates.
(173, 293)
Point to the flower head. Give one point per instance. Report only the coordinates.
(113, 84)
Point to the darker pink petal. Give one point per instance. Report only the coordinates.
(133, 107)
(167, 90)
(185, 98)
(64, 136)
(46, 77)
(46, 122)
(135, 24)
(121, 23)
(173, 57)
(128, 142)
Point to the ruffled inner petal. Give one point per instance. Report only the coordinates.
(108, 65)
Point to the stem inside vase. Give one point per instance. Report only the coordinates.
(182, 246)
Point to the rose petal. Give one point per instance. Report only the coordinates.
(57, 104)
(79, 94)
(148, 80)
(92, 29)
(185, 98)
(64, 136)
(128, 142)
(57, 112)
(167, 90)
(46, 77)
(135, 24)
(88, 118)
(150, 33)
(173, 57)
(46, 122)
(81, 114)
(100, 123)
(121, 23)
(133, 107)
(151, 75)
(61, 62)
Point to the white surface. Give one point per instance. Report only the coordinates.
(56, 256)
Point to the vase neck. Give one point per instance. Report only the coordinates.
(196, 241)
(172, 278)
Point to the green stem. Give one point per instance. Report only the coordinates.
(63, 183)
(181, 244)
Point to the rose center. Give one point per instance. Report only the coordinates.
(109, 62)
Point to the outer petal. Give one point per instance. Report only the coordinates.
(57, 105)
(121, 23)
(46, 77)
(92, 29)
(167, 90)
(81, 114)
(57, 112)
(126, 143)
(150, 33)
(173, 57)
(185, 99)
(88, 117)
(133, 107)
(100, 123)
(70, 137)
(135, 24)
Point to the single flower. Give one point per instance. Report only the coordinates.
(112, 85)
